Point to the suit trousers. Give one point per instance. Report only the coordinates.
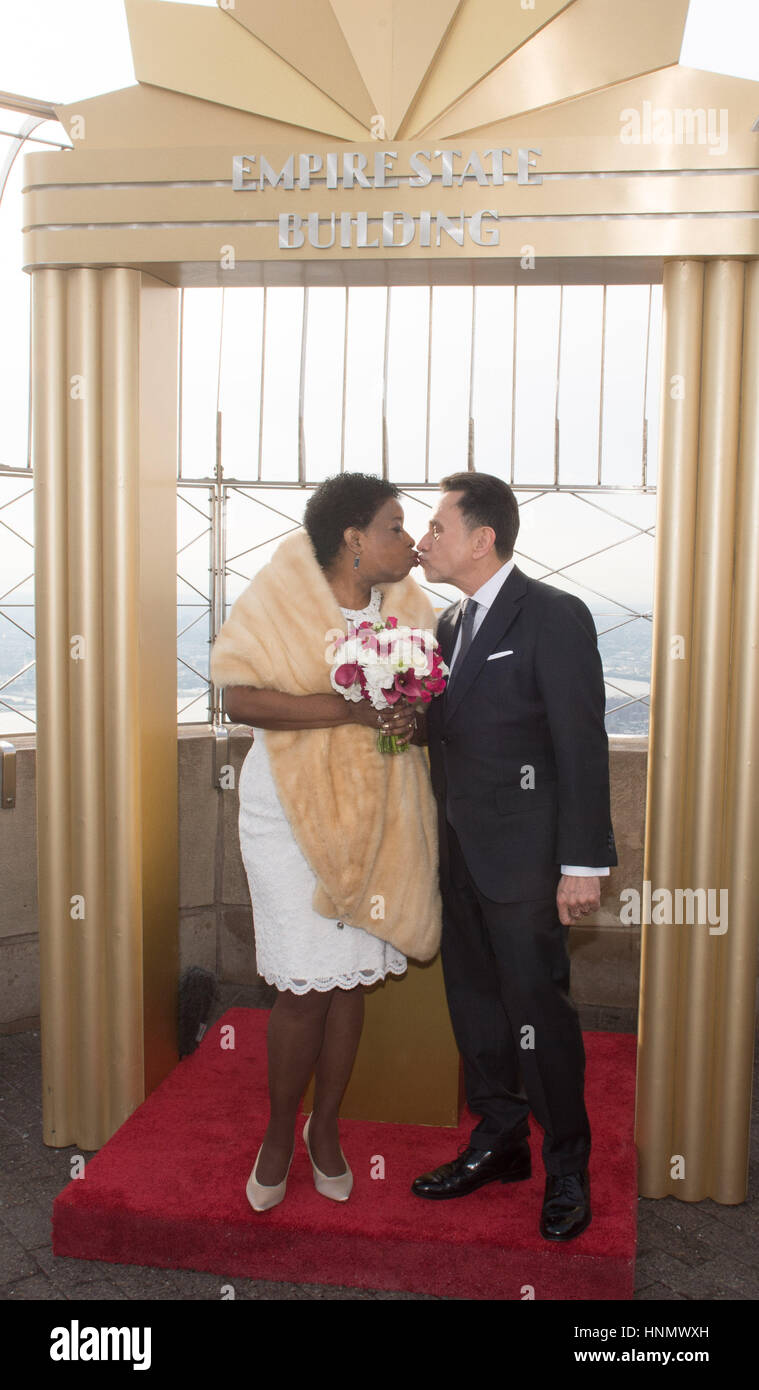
(506, 970)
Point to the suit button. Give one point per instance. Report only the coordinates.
(445, 742)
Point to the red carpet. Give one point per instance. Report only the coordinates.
(168, 1190)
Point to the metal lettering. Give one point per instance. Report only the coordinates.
(285, 175)
(443, 223)
(362, 232)
(388, 228)
(475, 164)
(423, 176)
(240, 167)
(351, 174)
(308, 164)
(493, 235)
(446, 160)
(524, 164)
(290, 231)
(382, 168)
(497, 158)
(313, 232)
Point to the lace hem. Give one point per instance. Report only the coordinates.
(349, 981)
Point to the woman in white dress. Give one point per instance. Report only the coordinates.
(319, 966)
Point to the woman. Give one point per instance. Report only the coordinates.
(338, 839)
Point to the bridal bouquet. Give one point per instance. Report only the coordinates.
(384, 663)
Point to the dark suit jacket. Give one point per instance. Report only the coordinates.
(518, 750)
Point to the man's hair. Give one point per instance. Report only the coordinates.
(487, 501)
(349, 499)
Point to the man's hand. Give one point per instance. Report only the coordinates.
(576, 896)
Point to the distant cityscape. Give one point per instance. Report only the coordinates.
(625, 651)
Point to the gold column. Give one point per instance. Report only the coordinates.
(734, 1032)
(686, 1090)
(156, 716)
(121, 692)
(53, 762)
(86, 886)
(709, 660)
(105, 509)
(673, 597)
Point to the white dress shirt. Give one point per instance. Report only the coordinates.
(485, 596)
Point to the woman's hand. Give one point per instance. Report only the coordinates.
(398, 720)
(275, 710)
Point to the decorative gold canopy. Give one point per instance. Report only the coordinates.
(432, 67)
(625, 153)
(621, 165)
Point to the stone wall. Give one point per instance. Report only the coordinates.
(606, 954)
(215, 917)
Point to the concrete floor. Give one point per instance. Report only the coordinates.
(686, 1251)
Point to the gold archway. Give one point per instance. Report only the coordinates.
(609, 161)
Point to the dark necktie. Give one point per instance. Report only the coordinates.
(467, 627)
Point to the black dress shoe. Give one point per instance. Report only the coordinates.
(566, 1206)
(472, 1169)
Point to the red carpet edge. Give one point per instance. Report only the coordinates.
(168, 1191)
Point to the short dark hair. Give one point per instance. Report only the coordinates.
(487, 501)
(348, 499)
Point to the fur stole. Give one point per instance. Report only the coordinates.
(365, 821)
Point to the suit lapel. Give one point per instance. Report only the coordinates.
(448, 628)
(495, 624)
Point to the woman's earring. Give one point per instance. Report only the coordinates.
(356, 562)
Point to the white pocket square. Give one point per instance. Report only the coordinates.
(495, 655)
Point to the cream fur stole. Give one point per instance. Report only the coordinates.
(365, 821)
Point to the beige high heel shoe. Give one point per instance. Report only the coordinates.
(262, 1198)
(339, 1188)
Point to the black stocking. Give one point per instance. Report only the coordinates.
(342, 1033)
(306, 1032)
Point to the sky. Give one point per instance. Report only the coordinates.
(67, 50)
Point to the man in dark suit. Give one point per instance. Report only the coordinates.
(520, 768)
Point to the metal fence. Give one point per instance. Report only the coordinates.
(554, 388)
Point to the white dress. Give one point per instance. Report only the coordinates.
(297, 949)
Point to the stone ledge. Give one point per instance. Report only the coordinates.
(215, 916)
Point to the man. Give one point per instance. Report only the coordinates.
(520, 769)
